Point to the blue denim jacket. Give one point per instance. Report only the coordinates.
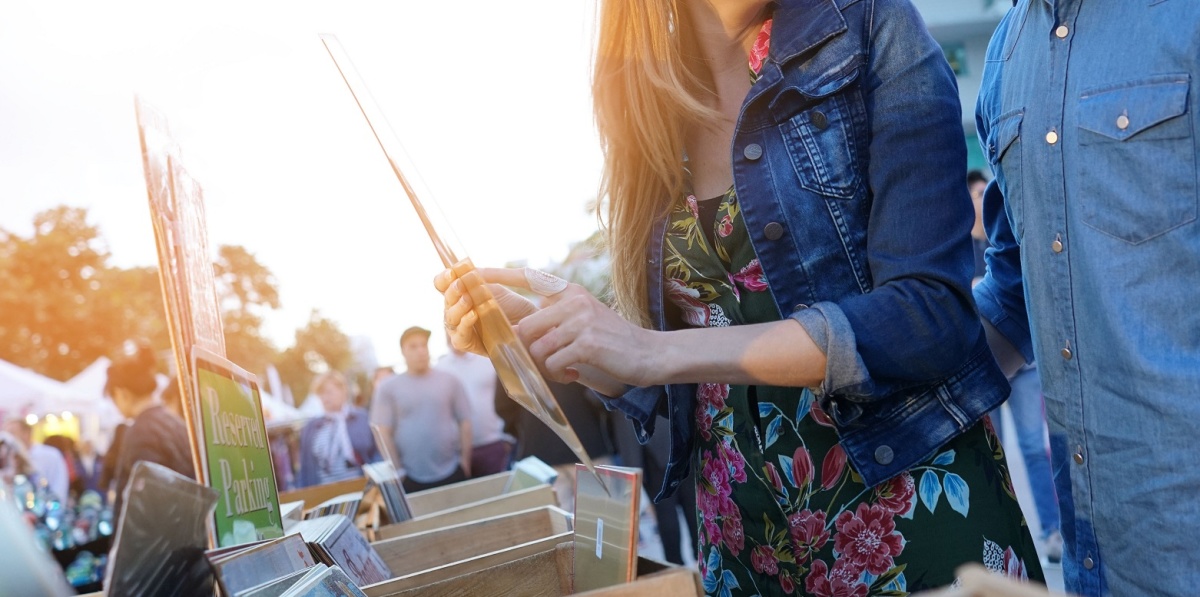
(1088, 116)
(848, 161)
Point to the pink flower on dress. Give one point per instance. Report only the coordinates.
(833, 466)
(808, 532)
(735, 538)
(867, 539)
(842, 581)
(704, 422)
(716, 474)
(752, 277)
(695, 312)
(735, 460)
(1014, 567)
(773, 476)
(712, 394)
(819, 415)
(897, 494)
(712, 530)
(761, 47)
(693, 206)
(786, 583)
(802, 467)
(764, 561)
(726, 226)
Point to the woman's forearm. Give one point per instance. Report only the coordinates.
(780, 353)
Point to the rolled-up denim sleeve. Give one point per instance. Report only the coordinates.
(641, 405)
(918, 322)
(845, 372)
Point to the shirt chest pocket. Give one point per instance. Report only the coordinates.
(1137, 158)
(1004, 155)
(822, 142)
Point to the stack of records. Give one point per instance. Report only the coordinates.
(317, 581)
(383, 475)
(335, 541)
(346, 505)
(247, 566)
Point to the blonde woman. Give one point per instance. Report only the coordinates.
(791, 272)
(334, 446)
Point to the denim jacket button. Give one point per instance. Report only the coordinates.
(753, 151)
(819, 119)
(1089, 563)
(774, 231)
(884, 455)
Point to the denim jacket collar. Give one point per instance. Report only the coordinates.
(806, 24)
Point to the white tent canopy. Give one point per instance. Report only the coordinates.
(24, 392)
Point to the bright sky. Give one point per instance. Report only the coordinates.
(491, 100)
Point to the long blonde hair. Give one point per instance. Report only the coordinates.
(646, 93)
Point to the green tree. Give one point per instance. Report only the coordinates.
(320, 346)
(61, 304)
(246, 290)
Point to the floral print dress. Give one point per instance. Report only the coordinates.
(781, 512)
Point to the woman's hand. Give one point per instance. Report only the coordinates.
(460, 317)
(572, 337)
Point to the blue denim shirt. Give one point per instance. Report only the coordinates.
(848, 161)
(1088, 116)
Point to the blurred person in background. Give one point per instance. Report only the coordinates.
(491, 448)
(157, 434)
(48, 465)
(334, 446)
(428, 416)
(587, 416)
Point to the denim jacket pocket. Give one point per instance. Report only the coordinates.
(1125, 132)
(821, 140)
(1004, 155)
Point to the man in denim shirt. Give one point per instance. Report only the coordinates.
(1088, 117)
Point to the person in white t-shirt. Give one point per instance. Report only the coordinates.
(491, 448)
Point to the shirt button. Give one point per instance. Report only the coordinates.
(1089, 563)
(1052, 137)
(753, 151)
(1066, 353)
(799, 307)
(1078, 455)
(819, 119)
(1062, 31)
(1056, 246)
(774, 231)
(884, 455)
(1122, 122)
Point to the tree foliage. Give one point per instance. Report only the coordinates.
(247, 290)
(62, 306)
(320, 346)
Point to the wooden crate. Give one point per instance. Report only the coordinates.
(424, 558)
(548, 574)
(457, 494)
(313, 496)
(499, 505)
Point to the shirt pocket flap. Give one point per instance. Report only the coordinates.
(799, 96)
(1006, 130)
(1128, 110)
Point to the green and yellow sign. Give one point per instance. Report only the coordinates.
(237, 455)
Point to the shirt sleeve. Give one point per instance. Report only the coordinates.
(918, 323)
(1000, 295)
(382, 408)
(459, 400)
(829, 329)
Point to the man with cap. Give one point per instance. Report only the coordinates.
(428, 416)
